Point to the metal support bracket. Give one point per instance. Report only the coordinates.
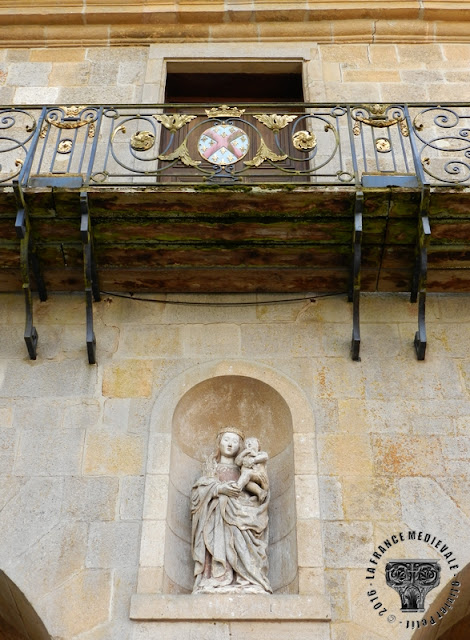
(92, 289)
(355, 283)
(418, 290)
(28, 258)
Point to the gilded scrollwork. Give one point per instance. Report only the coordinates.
(264, 153)
(378, 118)
(120, 129)
(72, 118)
(274, 121)
(181, 153)
(304, 140)
(173, 122)
(17, 127)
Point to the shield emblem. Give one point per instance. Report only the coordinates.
(223, 144)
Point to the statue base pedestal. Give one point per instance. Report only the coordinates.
(230, 607)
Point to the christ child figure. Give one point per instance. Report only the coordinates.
(253, 473)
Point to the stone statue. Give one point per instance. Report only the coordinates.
(229, 508)
(253, 474)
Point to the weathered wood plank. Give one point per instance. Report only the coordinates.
(218, 239)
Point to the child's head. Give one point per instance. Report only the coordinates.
(252, 444)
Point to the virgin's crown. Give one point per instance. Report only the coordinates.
(229, 429)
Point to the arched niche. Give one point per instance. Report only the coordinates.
(260, 411)
(186, 415)
(18, 619)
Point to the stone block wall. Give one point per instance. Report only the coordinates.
(431, 72)
(391, 435)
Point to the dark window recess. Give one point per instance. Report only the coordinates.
(234, 89)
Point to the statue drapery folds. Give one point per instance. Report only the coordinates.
(229, 507)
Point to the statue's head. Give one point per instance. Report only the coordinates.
(229, 441)
(252, 444)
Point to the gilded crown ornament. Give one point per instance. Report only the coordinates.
(224, 111)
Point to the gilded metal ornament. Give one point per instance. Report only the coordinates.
(142, 140)
(121, 129)
(225, 111)
(67, 125)
(304, 140)
(73, 111)
(181, 153)
(70, 121)
(377, 109)
(264, 153)
(404, 128)
(383, 145)
(174, 121)
(65, 146)
(73, 123)
(275, 122)
(379, 119)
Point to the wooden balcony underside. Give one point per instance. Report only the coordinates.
(239, 239)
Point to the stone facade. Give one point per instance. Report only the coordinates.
(343, 72)
(381, 446)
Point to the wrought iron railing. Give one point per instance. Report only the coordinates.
(372, 145)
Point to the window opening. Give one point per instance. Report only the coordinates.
(281, 87)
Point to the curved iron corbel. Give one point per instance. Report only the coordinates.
(28, 258)
(355, 286)
(92, 289)
(418, 290)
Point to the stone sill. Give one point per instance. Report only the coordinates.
(206, 607)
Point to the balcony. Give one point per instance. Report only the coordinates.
(247, 198)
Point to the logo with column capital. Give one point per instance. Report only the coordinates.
(409, 579)
(412, 579)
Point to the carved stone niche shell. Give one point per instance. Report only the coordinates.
(186, 417)
(261, 412)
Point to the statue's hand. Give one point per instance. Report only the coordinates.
(229, 489)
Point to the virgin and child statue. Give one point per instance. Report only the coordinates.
(229, 507)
